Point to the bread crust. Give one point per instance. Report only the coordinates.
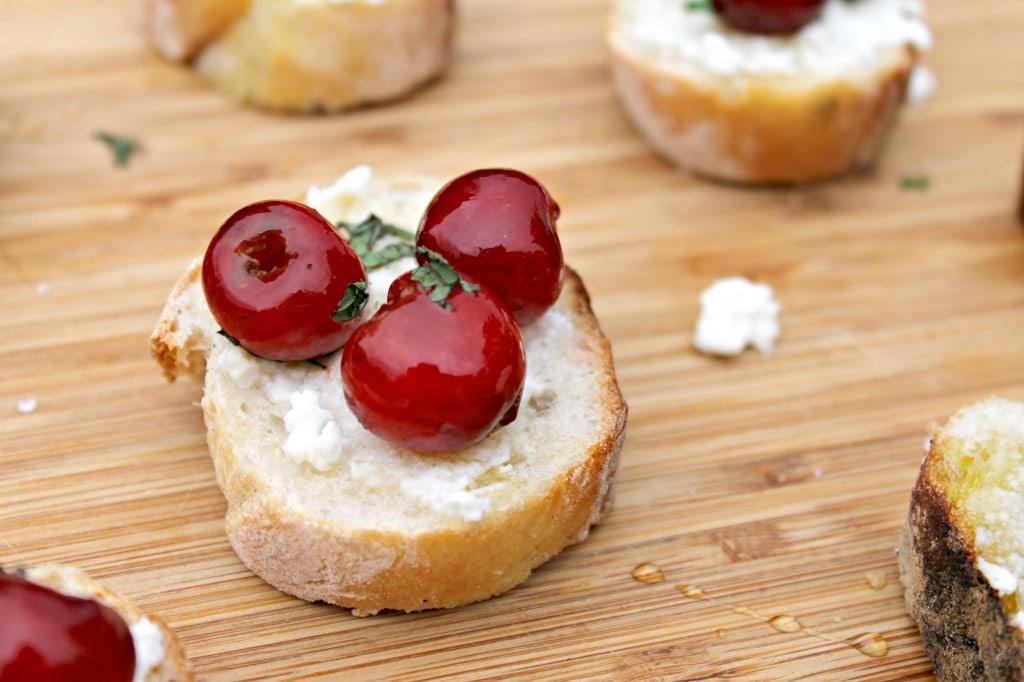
(174, 355)
(178, 29)
(754, 128)
(308, 56)
(73, 581)
(964, 626)
(450, 566)
(369, 569)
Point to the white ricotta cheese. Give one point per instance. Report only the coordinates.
(338, 198)
(313, 434)
(845, 36)
(27, 405)
(737, 313)
(1002, 581)
(149, 647)
(321, 429)
(922, 84)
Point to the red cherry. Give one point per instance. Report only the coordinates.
(498, 227)
(768, 16)
(48, 636)
(433, 378)
(274, 276)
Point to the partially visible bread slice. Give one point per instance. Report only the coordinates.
(322, 509)
(306, 55)
(962, 549)
(178, 29)
(169, 664)
(764, 110)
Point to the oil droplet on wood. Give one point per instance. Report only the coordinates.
(691, 591)
(876, 579)
(785, 624)
(870, 644)
(744, 611)
(648, 573)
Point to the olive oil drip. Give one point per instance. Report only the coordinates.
(870, 643)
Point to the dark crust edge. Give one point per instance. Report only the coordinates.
(964, 628)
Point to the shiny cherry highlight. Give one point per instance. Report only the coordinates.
(47, 636)
(769, 17)
(282, 282)
(435, 377)
(498, 227)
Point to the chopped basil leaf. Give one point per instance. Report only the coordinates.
(439, 278)
(352, 302)
(233, 340)
(917, 182)
(122, 147)
(363, 236)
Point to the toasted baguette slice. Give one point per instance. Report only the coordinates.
(163, 652)
(178, 29)
(764, 110)
(322, 509)
(961, 554)
(306, 55)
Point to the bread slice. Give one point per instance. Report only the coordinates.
(764, 110)
(961, 554)
(160, 647)
(178, 29)
(306, 55)
(322, 509)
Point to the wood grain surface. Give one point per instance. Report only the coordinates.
(771, 490)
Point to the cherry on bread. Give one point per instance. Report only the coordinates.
(435, 375)
(282, 282)
(326, 508)
(498, 226)
(58, 625)
(765, 92)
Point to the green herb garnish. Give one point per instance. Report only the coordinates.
(352, 302)
(122, 146)
(233, 340)
(439, 278)
(364, 237)
(698, 6)
(916, 182)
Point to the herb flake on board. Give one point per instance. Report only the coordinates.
(918, 182)
(122, 147)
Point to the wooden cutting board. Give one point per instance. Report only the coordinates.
(767, 492)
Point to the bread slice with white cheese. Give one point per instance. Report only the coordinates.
(305, 55)
(757, 109)
(159, 656)
(322, 509)
(961, 554)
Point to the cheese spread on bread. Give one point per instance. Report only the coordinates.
(149, 647)
(846, 35)
(323, 433)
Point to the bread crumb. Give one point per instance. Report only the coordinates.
(27, 405)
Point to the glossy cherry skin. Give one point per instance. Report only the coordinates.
(498, 227)
(48, 636)
(435, 379)
(769, 17)
(274, 275)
